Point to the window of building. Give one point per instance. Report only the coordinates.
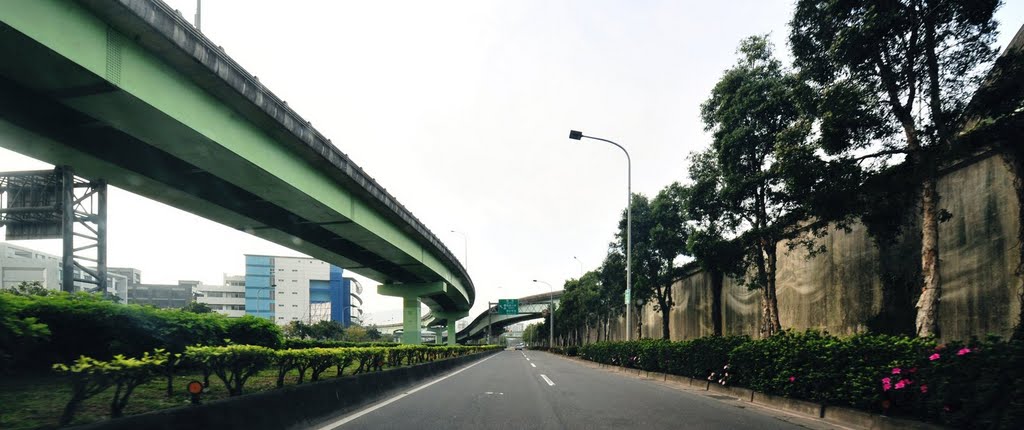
(280, 306)
(295, 292)
(295, 306)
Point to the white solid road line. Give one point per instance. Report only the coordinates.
(548, 380)
(353, 416)
(534, 365)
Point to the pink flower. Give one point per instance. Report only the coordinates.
(886, 380)
(934, 357)
(900, 385)
(924, 388)
(964, 351)
(886, 387)
(792, 378)
(913, 370)
(895, 370)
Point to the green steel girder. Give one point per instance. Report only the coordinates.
(95, 85)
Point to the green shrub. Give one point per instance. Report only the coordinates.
(698, 358)
(90, 377)
(18, 335)
(975, 384)
(86, 324)
(820, 367)
(294, 343)
(250, 330)
(233, 364)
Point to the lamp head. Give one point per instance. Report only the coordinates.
(575, 135)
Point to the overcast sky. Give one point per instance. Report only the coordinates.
(462, 111)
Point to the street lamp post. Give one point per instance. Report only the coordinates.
(465, 248)
(578, 135)
(581, 265)
(551, 311)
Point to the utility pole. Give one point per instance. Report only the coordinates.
(199, 13)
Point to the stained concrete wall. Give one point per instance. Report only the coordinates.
(857, 286)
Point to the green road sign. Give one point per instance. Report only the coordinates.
(626, 296)
(508, 306)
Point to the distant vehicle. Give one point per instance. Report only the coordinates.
(520, 346)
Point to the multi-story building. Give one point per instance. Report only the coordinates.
(227, 299)
(19, 264)
(167, 296)
(286, 289)
(132, 275)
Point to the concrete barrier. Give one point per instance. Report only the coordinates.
(867, 420)
(294, 406)
(744, 394)
(788, 404)
(681, 380)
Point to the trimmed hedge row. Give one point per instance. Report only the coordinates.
(978, 384)
(293, 343)
(83, 324)
(233, 365)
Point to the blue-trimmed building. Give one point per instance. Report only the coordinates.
(286, 289)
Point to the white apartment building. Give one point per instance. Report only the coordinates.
(291, 277)
(19, 264)
(227, 299)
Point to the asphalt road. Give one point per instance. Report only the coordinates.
(534, 390)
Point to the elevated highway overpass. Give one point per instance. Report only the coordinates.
(129, 92)
(530, 307)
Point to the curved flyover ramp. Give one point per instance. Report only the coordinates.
(128, 92)
(530, 307)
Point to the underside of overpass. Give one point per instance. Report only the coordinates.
(129, 92)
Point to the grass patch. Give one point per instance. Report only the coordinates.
(35, 401)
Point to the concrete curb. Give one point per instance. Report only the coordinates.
(830, 414)
(291, 407)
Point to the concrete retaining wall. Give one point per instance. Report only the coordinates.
(855, 286)
(295, 406)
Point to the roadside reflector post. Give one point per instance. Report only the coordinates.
(195, 389)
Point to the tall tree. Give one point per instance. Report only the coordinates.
(894, 77)
(760, 178)
(612, 274)
(666, 242)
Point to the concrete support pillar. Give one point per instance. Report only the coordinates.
(438, 331)
(451, 332)
(450, 319)
(411, 320)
